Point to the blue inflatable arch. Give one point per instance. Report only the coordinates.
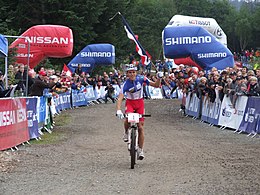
(197, 43)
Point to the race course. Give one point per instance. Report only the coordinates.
(182, 156)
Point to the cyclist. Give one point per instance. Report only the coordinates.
(133, 89)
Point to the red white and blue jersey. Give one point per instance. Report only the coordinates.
(133, 90)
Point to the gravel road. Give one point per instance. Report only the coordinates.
(183, 156)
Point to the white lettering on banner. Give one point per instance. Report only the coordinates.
(29, 113)
(21, 115)
(62, 99)
(250, 116)
(97, 54)
(198, 22)
(79, 98)
(212, 55)
(24, 55)
(30, 123)
(188, 40)
(7, 117)
(31, 117)
(47, 40)
(83, 65)
(20, 45)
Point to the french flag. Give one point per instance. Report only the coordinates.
(140, 50)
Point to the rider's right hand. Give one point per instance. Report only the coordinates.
(119, 114)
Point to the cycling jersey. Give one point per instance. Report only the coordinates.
(133, 90)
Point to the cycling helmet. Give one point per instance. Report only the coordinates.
(130, 67)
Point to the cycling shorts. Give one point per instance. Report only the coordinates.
(136, 106)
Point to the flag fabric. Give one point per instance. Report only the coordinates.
(140, 50)
(66, 70)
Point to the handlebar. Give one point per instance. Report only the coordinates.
(140, 115)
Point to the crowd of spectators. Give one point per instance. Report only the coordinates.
(233, 82)
(57, 81)
(246, 55)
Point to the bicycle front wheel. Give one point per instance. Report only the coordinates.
(133, 148)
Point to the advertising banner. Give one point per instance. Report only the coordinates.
(232, 116)
(94, 54)
(3, 46)
(250, 122)
(117, 90)
(62, 101)
(31, 105)
(155, 93)
(193, 105)
(167, 91)
(197, 43)
(90, 95)
(13, 123)
(79, 99)
(41, 109)
(54, 41)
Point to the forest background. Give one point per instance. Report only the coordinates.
(89, 21)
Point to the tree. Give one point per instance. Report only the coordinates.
(243, 27)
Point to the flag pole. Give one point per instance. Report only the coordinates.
(114, 16)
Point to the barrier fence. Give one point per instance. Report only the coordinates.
(242, 117)
(25, 118)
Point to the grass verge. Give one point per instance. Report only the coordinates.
(57, 135)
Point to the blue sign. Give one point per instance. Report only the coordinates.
(3, 46)
(78, 99)
(94, 54)
(62, 102)
(199, 44)
(42, 109)
(250, 122)
(31, 106)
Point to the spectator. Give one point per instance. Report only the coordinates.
(40, 83)
(229, 89)
(240, 89)
(110, 92)
(3, 92)
(202, 88)
(253, 87)
(21, 77)
(79, 70)
(258, 75)
(11, 75)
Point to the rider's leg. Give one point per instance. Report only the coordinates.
(126, 125)
(125, 136)
(141, 134)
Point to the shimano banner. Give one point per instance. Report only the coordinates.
(210, 24)
(94, 54)
(199, 44)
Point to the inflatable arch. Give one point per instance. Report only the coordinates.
(209, 24)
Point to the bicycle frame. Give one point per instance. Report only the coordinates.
(132, 145)
(133, 119)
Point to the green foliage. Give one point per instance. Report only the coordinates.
(243, 27)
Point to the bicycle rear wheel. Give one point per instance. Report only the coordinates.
(133, 148)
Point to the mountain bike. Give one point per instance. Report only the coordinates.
(132, 145)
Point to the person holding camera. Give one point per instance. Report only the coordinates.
(110, 92)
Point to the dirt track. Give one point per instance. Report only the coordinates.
(183, 156)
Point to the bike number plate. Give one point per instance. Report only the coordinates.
(133, 117)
